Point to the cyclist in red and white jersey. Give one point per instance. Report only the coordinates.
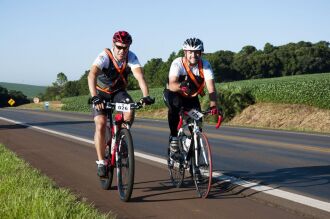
(107, 80)
(187, 78)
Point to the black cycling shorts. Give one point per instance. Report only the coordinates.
(120, 96)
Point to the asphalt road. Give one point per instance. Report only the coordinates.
(295, 162)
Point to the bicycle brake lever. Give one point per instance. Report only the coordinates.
(219, 121)
(139, 105)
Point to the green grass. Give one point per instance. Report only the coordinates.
(76, 104)
(312, 89)
(28, 90)
(25, 193)
(80, 103)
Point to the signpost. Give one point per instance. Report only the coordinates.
(11, 102)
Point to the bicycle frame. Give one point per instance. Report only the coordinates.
(194, 116)
(120, 146)
(194, 152)
(115, 123)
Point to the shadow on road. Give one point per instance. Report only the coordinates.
(297, 177)
(41, 124)
(162, 190)
(14, 126)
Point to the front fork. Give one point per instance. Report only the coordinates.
(116, 141)
(195, 132)
(198, 143)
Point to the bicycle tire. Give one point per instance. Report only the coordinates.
(202, 174)
(125, 165)
(175, 167)
(106, 181)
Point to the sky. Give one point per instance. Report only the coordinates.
(39, 39)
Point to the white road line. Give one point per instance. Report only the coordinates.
(322, 205)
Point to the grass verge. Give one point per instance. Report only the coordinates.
(26, 193)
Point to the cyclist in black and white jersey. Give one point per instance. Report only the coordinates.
(187, 78)
(107, 80)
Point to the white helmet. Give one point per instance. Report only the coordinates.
(193, 44)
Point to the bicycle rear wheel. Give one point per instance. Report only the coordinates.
(202, 172)
(125, 165)
(107, 180)
(175, 167)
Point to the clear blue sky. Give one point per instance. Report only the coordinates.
(39, 39)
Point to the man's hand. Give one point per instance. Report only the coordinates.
(184, 87)
(214, 110)
(97, 102)
(147, 100)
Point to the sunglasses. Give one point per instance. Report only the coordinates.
(121, 47)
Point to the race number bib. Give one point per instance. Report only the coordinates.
(123, 107)
(195, 114)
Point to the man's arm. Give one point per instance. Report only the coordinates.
(173, 84)
(138, 74)
(92, 80)
(92, 87)
(212, 92)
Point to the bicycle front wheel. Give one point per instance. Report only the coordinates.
(125, 165)
(202, 169)
(175, 167)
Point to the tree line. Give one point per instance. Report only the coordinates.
(249, 63)
(17, 96)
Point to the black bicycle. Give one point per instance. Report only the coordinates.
(194, 153)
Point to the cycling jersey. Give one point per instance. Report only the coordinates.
(178, 70)
(111, 79)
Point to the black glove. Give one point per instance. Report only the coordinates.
(96, 100)
(147, 100)
(184, 87)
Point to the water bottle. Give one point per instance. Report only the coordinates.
(186, 143)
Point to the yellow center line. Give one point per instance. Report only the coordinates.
(250, 140)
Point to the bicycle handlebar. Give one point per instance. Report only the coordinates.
(185, 112)
(136, 105)
(220, 118)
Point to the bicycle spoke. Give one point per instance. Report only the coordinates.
(107, 180)
(176, 169)
(125, 165)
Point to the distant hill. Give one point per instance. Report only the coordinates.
(29, 90)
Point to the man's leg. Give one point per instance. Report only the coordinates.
(173, 102)
(99, 137)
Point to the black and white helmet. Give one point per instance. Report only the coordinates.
(193, 44)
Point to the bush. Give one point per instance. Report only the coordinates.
(312, 90)
(231, 101)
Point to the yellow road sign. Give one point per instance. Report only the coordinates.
(11, 102)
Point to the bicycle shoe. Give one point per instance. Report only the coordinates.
(174, 144)
(176, 156)
(101, 170)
